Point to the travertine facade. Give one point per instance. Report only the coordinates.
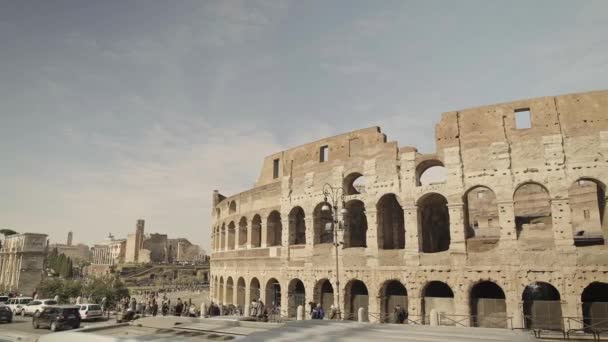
(22, 262)
(518, 219)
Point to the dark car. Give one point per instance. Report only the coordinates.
(3, 299)
(6, 315)
(58, 317)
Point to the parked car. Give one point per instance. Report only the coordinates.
(6, 314)
(90, 311)
(3, 299)
(57, 317)
(18, 303)
(37, 305)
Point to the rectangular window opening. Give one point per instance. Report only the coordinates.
(587, 214)
(523, 118)
(275, 169)
(324, 154)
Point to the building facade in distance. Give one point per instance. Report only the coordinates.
(22, 262)
(78, 253)
(506, 220)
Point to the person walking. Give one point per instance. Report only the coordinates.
(179, 307)
(154, 307)
(317, 312)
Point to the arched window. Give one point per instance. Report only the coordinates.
(354, 184)
(223, 237)
(274, 229)
(355, 222)
(229, 291)
(542, 307)
(435, 223)
(430, 172)
(481, 219)
(297, 227)
(243, 232)
(588, 205)
(323, 222)
(256, 231)
(393, 294)
(232, 207)
(439, 296)
(595, 304)
(296, 296)
(356, 297)
(273, 293)
(324, 294)
(391, 227)
(240, 292)
(532, 206)
(231, 234)
(488, 306)
(254, 289)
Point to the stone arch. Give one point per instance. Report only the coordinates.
(274, 229)
(488, 305)
(324, 294)
(243, 232)
(542, 306)
(254, 289)
(356, 296)
(353, 184)
(229, 290)
(323, 224)
(256, 231)
(439, 296)
(481, 219)
(231, 235)
(296, 296)
(355, 234)
(232, 207)
(430, 171)
(223, 237)
(273, 292)
(391, 226)
(392, 293)
(240, 293)
(594, 300)
(221, 291)
(434, 218)
(297, 226)
(532, 208)
(587, 197)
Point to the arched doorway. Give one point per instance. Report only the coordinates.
(439, 296)
(393, 293)
(587, 198)
(323, 224)
(273, 293)
(297, 227)
(274, 229)
(488, 306)
(324, 294)
(229, 291)
(391, 227)
(243, 233)
(435, 223)
(221, 298)
(256, 231)
(542, 306)
(254, 289)
(533, 221)
(595, 305)
(240, 294)
(355, 234)
(481, 219)
(356, 297)
(430, 171)
(296, 296)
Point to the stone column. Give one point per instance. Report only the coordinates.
(284, 299)
(237, 236)
(415, 308)
(264, 233)
(372, 236)
(506, 219)
(310, 232)
(249, 235)
(247, 299)
(462, 307)
(571, 307)
(562, 226)
(515, 310)
(457, 232)
(374, 307)
(412, 234)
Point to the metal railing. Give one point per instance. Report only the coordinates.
(476, 321)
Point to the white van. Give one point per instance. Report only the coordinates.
(17, 304)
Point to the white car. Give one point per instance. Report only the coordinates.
(37, 305)
(90, 311)
(18, 303)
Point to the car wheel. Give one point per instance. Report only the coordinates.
(53, 326)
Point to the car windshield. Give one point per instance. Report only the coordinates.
(24, 300)
(34, 302)
(50, 302)
(94, 307)
(70, 311)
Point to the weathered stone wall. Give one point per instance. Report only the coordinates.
(22, 262)
(528, 226)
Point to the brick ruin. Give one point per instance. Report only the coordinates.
(505, 220)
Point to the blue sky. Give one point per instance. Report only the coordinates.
(115, 110)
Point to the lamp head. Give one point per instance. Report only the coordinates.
(325, 206)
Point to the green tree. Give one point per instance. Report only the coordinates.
(7, 232)
(64, 288)
(109, 287)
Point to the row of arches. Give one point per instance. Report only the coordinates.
(531, 206)
(487, 301)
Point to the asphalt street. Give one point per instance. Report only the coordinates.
(21, 329)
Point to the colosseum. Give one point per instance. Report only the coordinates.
(504, 225)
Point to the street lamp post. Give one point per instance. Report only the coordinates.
(336, 196)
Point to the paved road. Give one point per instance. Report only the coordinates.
(21, 329)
